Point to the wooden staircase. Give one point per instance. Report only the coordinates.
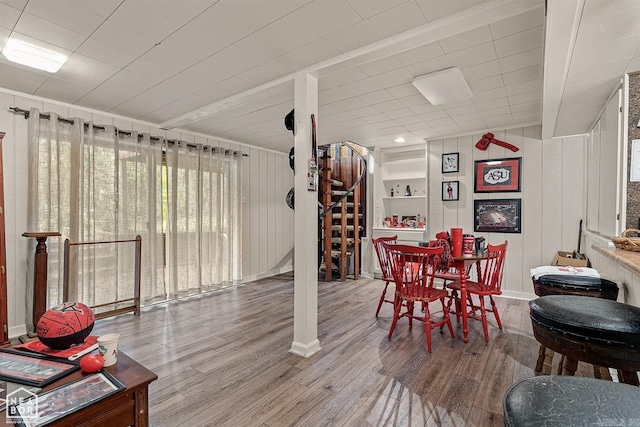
(340, 194)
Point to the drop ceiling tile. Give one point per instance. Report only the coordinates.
(414, 100)
(344, 105)
(63, 13)
(416, 127)
(467, 117)
(519, 42)
(377, 97)
(288, 33)
(472, 124)
(375, 118)
(576, 119)
(341, 78)
(368, 8)
(403, 90)
(85, 71)
(426, 108)
(447, 129)
(481, 71)
(255, 50)
(486, 84)
(521, 60)
(609, 28)
(394, 78)
(105, 53)
(525, 97)
(429, 66)
(270, 70)
(186, 83)
(529, 115)
(397, 114)
(381, 66)
(527, 106)
(403, 17)
(385, 107)
(385, 124)
(596, 9)
(408, 120)
(492, 112)
(151, 100)
(353, 37)
(494, 103)
(613, 69)
(528, 86)
(122, 38)
(292, 5)
(180, 12)
(169, 58)
(314, 52)
(420, 54)
(326, 17)
(499, 121)
(466, 39)
(522, 75)
(155, 25)
(154, 73)
(473, 55)
(363, 86)
(488, 95)
(457, 111)
(20, 79)
(262, 13)
(8, 16)
(433, 115)
(437, 9)
(605, 52)
(518, 23)
(332, 95)
(209, 72)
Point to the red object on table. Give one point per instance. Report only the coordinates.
(37, 346)
(91, 363)
(456, 241)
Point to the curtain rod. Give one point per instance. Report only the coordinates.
(46, 116)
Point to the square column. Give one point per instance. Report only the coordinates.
(305, 311)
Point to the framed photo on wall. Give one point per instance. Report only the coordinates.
(450, 162)
(450, 190)
(497, 215)
(497, 175)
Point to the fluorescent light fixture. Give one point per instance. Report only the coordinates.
(33, 56)
(443, 87)
(400, 139)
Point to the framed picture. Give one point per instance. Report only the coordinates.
(66, 399)
(32, 369)
(497, 215)
(497, 175)
(450, 162)
(450, 190)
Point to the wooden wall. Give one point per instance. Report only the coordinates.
(267, 221)
(552, 197)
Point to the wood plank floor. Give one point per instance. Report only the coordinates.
(222, 360)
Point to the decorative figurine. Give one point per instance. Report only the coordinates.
(407, 191)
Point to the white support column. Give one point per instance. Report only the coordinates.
(305, 300)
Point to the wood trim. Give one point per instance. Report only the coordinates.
(4, 327)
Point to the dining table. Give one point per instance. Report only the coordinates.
(463, 264)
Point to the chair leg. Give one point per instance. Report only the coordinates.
(397, 305)
(384, 292)
(427, 326)
(540, 361)
(494, 308)
(483, 313)
(410, 306)
(570, 366)
(446, 317)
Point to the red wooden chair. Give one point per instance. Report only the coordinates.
(414, 269)
(489, 284)
(385, 267)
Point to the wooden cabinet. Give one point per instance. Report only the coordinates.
(4, 340)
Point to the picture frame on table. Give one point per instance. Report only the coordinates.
(450, 162)
(33, 369)
(450, 191)
(66, 399)
(497, 215)
(497, 175)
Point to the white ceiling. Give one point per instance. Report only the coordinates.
(225, 67)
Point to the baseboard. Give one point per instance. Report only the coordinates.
(16, 331)
(519, 295)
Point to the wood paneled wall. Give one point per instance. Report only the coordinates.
(267, 221)
(552, 197)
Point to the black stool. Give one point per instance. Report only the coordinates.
(563, 284)
(570, 401)
(592, 330)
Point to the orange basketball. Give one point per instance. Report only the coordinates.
(64, 325)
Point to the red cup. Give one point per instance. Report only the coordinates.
(468, 244)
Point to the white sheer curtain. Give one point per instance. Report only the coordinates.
(203, 226)
(94, 183)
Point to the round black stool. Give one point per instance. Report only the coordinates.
(570, 401)
(592, 330)
(563, 284)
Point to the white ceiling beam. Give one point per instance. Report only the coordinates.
(471, 18)
(562, 24)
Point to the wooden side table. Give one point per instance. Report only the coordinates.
(129, 407)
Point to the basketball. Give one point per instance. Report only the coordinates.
(64, 325)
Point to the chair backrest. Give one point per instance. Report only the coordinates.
(494, 267)
(383, 256)
(413, 268)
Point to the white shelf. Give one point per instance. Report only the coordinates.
(401, 229)
(405, 177)
(404, 198)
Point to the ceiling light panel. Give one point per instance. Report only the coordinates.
(443, 87)
(33, 56)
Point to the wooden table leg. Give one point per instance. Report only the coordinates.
(463, 304)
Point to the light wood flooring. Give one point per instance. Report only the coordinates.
(222, 360)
